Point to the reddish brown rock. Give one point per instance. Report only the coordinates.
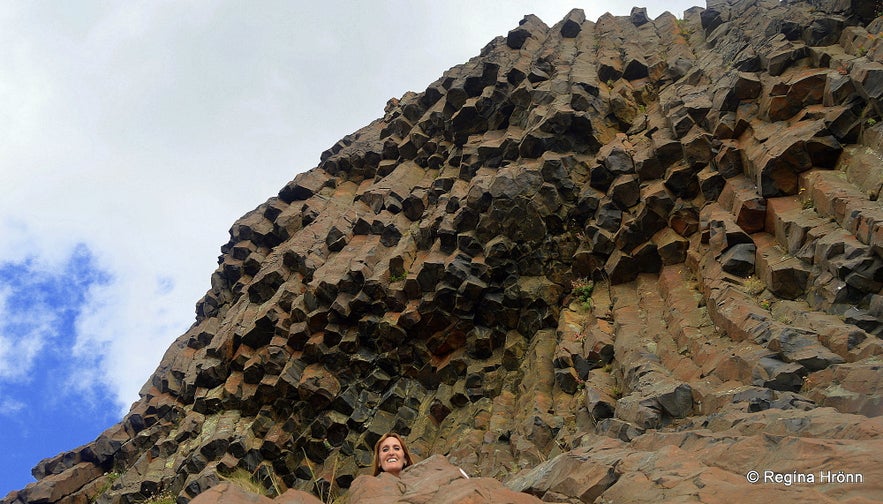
(229, 493)
(671, 246)
(607, 467)
(432, 480)
(853, 387)
(305, 185)
(55, 487)
(740, 197)
(792, 151)
(786, 277)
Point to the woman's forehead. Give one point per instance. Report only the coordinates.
(390, 441)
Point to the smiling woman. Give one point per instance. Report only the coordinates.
(391, 455)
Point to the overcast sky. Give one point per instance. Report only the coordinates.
(133, 134)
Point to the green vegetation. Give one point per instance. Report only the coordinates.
(398, 278)
(247, 481)
(580, 384)
(163, 498)
(109, 479)
(805, 201)
(684, 30)
(582, 289)
(766, 304)
(753, 286)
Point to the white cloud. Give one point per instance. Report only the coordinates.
(125, 328)
(23, 334)
(17, 354)
(11, 407)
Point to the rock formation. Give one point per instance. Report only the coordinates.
(433, 480)
(628, 260)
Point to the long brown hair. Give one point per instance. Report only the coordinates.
(376, 469)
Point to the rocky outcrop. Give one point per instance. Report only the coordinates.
(230, 493)
(706, 466)
(627, 259)
(433, 480)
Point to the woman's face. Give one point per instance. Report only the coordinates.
(392, 456)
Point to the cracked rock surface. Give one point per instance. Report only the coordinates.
(621, 260)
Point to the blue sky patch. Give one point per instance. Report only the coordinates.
(41, 414)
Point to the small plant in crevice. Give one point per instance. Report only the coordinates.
(580, 385)
(109, 480)
(868, 119)
(399, 277)
(806, 201)
(766, 304)
(753, 286)
(683, 29)
(582, 290)
(163, 498)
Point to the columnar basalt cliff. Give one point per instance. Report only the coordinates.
(628, 260)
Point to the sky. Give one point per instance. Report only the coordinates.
(133, 134)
